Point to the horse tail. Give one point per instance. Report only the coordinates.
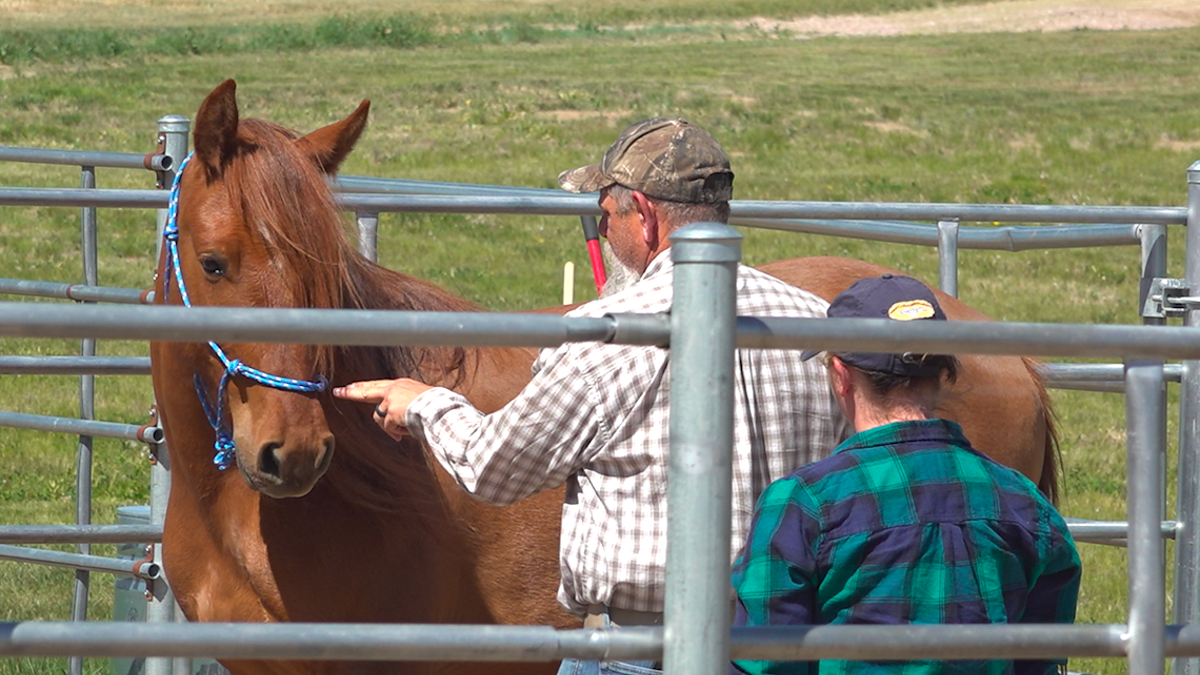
(1048, 482)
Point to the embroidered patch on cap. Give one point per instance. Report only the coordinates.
(910, 310)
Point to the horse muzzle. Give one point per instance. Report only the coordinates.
(282, 469)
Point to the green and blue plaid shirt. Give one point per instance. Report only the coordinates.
(905, 524)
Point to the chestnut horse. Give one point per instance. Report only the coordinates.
(322, 517)
(383, 537)
(1000, 401)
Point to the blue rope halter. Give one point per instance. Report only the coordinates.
(226, 455)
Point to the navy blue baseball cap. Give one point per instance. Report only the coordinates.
(893, 297)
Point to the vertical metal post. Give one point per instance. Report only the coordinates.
(160, 604)
(173, 139)
(87, 411)
(368, 235)
(1147, 577)
(948, 256)
(1154, 265)
(699, 495)
(1187, 509)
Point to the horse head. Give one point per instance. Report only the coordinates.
(255, 225)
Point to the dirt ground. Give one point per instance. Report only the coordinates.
(1005, 16)
(1002, 15)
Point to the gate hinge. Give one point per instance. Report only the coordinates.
(1167, 298)
(151, 450)
(159, 163)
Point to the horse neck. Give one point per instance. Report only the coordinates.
(488, 377)
(369, 469)
(369, 286)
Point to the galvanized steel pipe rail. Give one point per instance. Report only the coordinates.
(405, 186)
(80, 534)
(970, 337)
(83, 197)
(742, 208)
(519, 201)
(78, 292)
(142, 569)
(108, 160)
(317, 326)
(69, 425)
(745, 210)
(1113, 533)
(327, 641)
(74, 365)
(1105, 377)
(478, 329)
(419, 642)
(1006, 238)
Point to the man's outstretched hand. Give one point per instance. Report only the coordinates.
(391, 399)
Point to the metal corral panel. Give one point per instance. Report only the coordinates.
(129, 598)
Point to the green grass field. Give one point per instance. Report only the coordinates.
(512, 93)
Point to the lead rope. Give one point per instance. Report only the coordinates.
(226, 451)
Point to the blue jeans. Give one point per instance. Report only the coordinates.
(577, 667)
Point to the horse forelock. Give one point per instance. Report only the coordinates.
(288, 204)
(282, 197)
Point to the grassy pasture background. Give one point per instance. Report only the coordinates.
(512, 93)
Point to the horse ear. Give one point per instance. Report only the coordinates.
(329, 145)
(216, 127)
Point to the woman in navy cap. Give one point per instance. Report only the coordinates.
(905, 523)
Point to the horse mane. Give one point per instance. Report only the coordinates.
(286, 201)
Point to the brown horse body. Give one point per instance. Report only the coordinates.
(1000, 401)
(324, 517)
(383, 537)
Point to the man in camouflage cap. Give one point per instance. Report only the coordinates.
(669, 163)
(595, 416)
(669, 159)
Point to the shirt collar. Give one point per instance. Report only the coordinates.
(903, 432)
(661, 264)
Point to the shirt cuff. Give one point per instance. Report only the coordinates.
(430, 406)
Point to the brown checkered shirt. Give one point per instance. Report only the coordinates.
(595, 417)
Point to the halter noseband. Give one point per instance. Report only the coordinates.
(226, 455)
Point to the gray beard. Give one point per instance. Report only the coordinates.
(618, 275)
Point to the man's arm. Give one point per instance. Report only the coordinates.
(534, 443)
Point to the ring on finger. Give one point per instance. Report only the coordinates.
(380, 411)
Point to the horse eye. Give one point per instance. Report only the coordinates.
(212, 267)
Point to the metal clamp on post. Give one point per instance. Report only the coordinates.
(160, 163)
(151, 451)
(1167, 298)
(640, 329)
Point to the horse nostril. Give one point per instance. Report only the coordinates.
(326, 454)
(268, 460)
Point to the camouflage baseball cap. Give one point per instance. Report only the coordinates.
(670, 159)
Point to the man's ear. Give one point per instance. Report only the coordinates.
(649, 219)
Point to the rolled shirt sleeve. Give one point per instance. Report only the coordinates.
(532, 444)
